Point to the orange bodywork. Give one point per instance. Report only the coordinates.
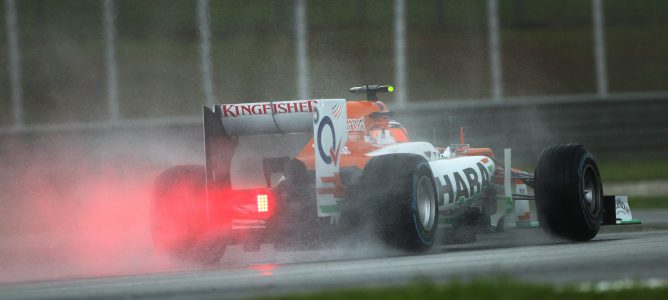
(369, 128)
(478, 152)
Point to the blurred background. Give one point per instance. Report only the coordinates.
(98, 96)
(570, 70)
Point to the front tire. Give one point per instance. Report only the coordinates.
(569, 193)
(401, 194)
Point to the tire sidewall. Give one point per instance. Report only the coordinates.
(592, 220)
(388, 189)
(426, 235)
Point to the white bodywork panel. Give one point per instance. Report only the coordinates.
(461, 179)
(265, 118)
(458, 179)
(425, 149)
(330, 136)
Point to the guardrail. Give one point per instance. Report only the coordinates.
(619, 126)
(615, 127)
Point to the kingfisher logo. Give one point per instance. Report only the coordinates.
(333, 156)
(268, 108)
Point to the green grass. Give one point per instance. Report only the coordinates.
(649, 202)
(625, 170)
(500, 288)
(633, 170)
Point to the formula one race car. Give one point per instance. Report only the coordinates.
(359, 170)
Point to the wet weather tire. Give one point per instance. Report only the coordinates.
(178, 216)
(401, 195)
(569, 192)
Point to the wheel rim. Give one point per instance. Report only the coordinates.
(591, 190)
(426, 203)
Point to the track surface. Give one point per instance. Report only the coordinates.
(632, 253)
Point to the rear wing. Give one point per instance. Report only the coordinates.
(224, 123)
(326, 118)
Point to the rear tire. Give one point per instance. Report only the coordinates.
(401, 195)
(569, 192)
(178, 216)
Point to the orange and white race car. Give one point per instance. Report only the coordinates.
(360, 170)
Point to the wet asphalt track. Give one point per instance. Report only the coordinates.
(631, 252)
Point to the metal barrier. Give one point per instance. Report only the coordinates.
(616, 127)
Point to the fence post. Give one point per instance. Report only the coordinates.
(599, 49)
(14, 64)
(400, 51)
(109, 15)
(205, 50)
(495, 51)
(301, 50)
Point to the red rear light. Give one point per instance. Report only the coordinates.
(242, 204)
(262, 203)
